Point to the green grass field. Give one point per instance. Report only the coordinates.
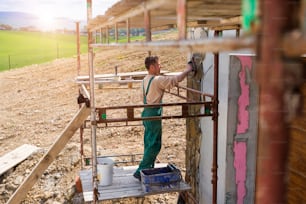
(18, 49)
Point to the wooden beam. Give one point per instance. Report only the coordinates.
(204, 45)
(94, 34)
(101, 35)
(116, 32)
(107, 35)
(231, 21)
(215, 24)
(303, 17)
(128, 30)
(77, 24)
(165, 27)
(181, 19)
(273, 140)
(147, 23)
(50, 156)
(215, 7)
(294, 47)
(228, 27)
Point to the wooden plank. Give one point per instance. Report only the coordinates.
(123, 74)
(98, 81)
(202, 45)
(124, 185)
(124, 78)
(105, 80)
(16, 156)
(181, 19)
(50, 156)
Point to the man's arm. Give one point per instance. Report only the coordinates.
(167, 82)
(182, 75)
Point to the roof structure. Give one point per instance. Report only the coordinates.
(208, 13)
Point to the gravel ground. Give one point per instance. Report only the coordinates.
(38, 101)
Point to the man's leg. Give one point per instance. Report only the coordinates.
(152, 143)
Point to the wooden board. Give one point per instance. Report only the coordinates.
(16, 156)
(122, 75)
(50, 156)
(108, 81)
(123, 78)
(124, 185)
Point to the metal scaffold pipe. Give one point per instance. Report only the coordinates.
(92, 105)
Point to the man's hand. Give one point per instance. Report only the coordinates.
(192, 64)
(189, 67)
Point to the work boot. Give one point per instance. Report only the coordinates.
(137, 176)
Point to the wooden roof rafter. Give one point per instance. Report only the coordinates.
(133, 12)
(163, 13)
(121, 7)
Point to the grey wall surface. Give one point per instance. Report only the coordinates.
(206, 125)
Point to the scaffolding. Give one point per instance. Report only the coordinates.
(174, 13)
(159, 15)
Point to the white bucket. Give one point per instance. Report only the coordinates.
(105, 168)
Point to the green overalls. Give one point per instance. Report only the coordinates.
(152, 134)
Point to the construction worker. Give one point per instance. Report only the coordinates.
(153, 88)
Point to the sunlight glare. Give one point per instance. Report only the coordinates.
(46, 21)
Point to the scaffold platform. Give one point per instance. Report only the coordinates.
(124, 185)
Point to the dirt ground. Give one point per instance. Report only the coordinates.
(38, 101)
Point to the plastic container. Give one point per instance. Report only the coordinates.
(160, 179)
(105, 171)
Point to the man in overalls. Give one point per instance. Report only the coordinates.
(153, 88)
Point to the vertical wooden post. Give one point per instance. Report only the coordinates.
(147, 22)
(9, 61)
(273, 134)
(107, 35)
(78, 48)
(237, 33)
(181, 19)
(101, 35)
(128, 30)
(57, 50)
(303, 17)
(116, 32)
(94, 36)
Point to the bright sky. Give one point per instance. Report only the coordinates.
(48, 9)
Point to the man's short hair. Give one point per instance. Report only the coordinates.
(151, 60)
